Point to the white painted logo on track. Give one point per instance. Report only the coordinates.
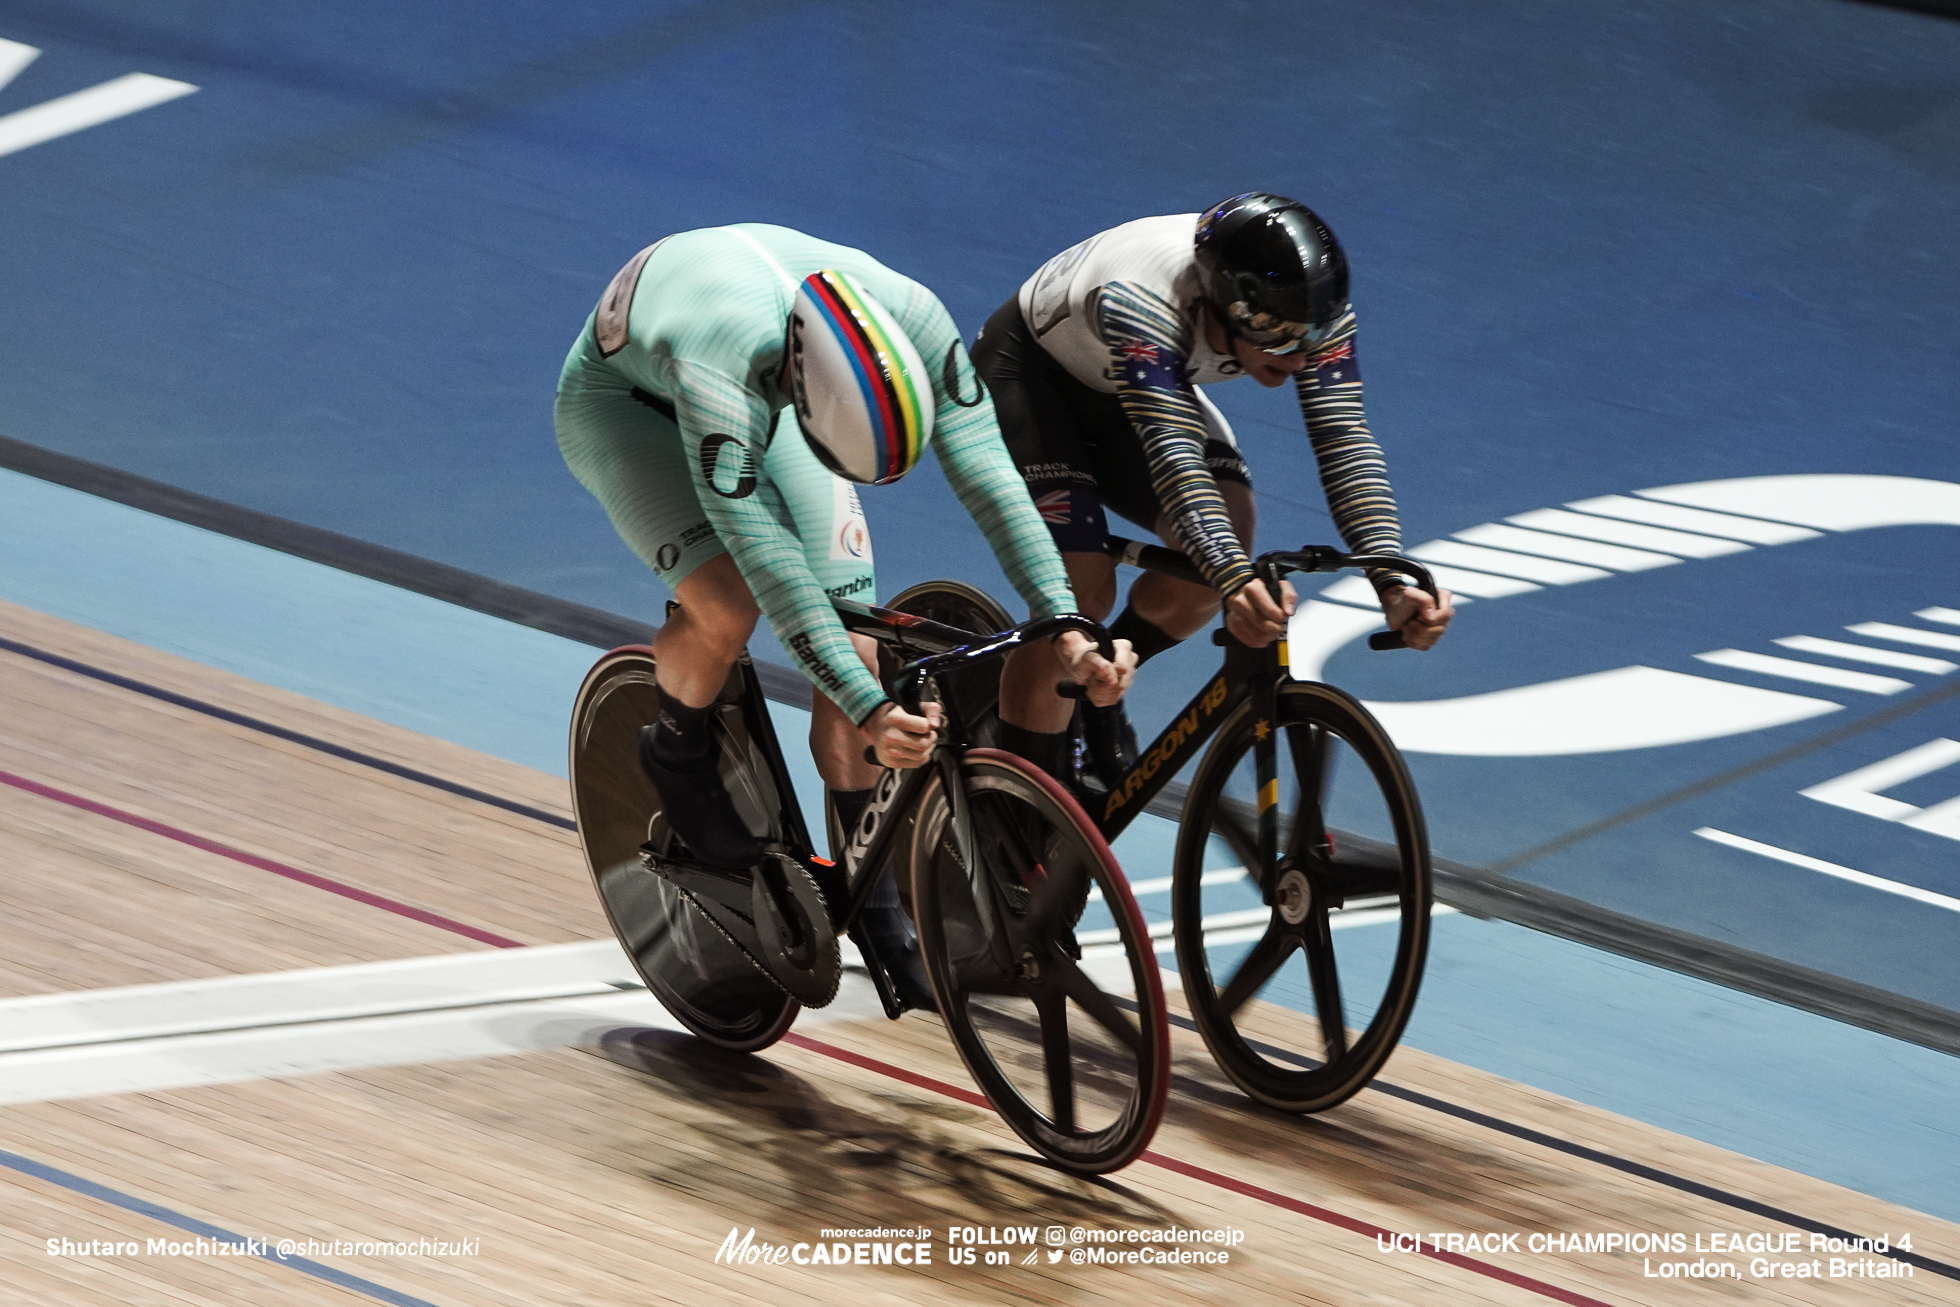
(67, 114)
(1643, 707)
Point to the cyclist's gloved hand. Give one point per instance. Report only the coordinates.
(1105, 681)
(1254, 619)
(1421, 619)
(900, 739)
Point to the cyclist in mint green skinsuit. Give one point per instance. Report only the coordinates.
(670, 410)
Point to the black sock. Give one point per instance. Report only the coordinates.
(680, 736)
(849, 805)
(1043, 749)
(1146, 637)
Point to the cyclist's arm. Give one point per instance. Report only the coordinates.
(967, 441)
(725, 428)
(1353, 472)
(1150, 343)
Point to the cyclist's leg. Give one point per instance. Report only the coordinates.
(1042, 430)
(624, 446)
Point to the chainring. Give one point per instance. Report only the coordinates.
(651, 861)
(792, 924)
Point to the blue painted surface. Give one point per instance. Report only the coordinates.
(1814, 1095)
(1653, 241)
(1803, 1092)
(345, 640)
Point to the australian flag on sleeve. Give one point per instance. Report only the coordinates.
(1150, 366)
(1336, 366)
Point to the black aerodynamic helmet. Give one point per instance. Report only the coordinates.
(1271, 271)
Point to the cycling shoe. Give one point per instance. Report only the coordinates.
(699, 810)
(891, 935)
(1111, 741)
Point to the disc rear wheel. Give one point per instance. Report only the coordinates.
(701, 977)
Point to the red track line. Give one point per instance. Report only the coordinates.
(263, 864)
(1210, 1177)
(913, 1078)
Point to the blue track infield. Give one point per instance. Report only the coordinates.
(1600, 249)
(1646, 244)
(1823, 1098)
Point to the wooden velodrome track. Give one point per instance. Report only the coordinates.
(164, 822)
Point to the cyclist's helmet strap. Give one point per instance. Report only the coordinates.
(862, 394)
(1272, 271)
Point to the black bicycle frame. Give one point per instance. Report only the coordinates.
(1247, 673)
(869, 847)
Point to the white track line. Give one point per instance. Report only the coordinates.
(1631, 534)
(1160, 884)
(1701, 521)
(1791, 669)
(1864, 653)
(98, 104)
(1906, 635)
(485, 1003)
(13, 57)
(1831, 869)
(1597, 553)
(1548, 571)
(1249, 924)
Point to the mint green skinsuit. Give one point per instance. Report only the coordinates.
(682, 360)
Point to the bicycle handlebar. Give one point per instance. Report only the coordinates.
(1270, 567)
(911, 680)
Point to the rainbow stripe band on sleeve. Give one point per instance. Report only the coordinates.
(864, 332)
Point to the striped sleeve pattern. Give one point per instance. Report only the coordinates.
(1353, 472)
(1149, 343)
(967, 441)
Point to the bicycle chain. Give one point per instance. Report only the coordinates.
(647, 860)
(709, 917)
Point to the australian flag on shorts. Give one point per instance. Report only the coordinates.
(1053, 507)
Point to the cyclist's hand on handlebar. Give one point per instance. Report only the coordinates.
(1254, 619)
(1104, 680)
(1421, 619)
(900, 739)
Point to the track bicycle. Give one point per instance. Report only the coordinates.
(1300, 823)
(1071, 1044)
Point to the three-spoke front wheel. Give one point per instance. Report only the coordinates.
(1041, 963)
(1301, 959)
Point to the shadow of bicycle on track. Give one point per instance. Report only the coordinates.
(869, 1158)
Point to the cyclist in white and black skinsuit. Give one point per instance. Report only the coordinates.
(1094, 366)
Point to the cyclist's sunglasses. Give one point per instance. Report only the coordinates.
(1286, 337)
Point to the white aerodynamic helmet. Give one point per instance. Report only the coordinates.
(863, 397)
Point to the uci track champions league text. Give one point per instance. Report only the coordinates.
(977, 1245)
(1673, 1255)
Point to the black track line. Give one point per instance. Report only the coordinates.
(280, 732)
(1596, 1156)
